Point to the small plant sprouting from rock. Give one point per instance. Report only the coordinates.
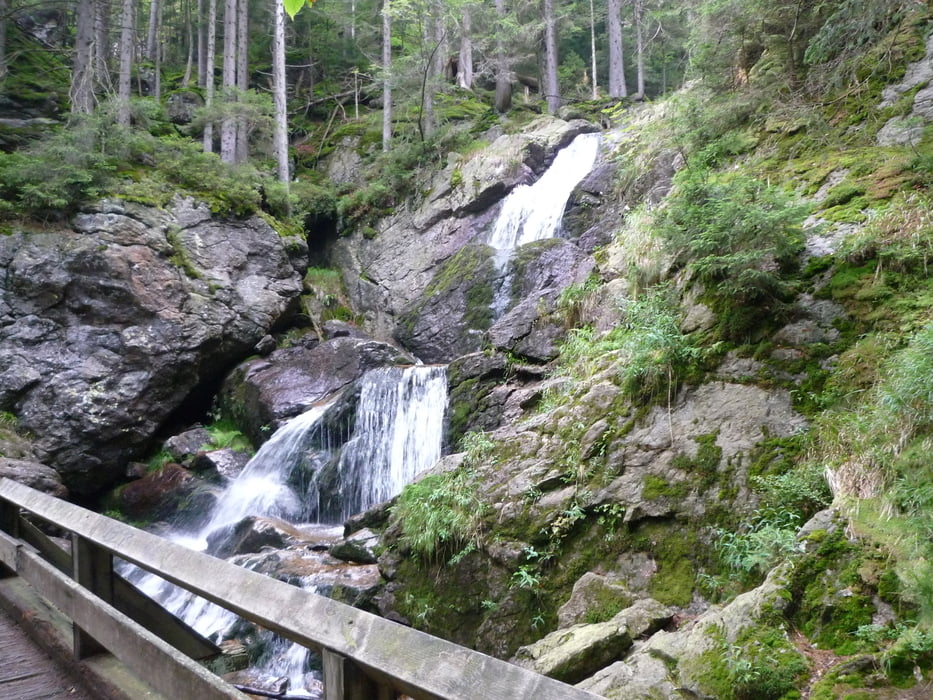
(441, 515)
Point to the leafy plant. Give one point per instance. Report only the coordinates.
(769, 537)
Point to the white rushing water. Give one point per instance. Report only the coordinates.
(399, 422)
(534, 212)
(397, 433)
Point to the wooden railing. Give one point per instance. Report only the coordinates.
(365, 657)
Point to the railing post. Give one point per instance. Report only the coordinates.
(9, 523)
(92, 568)
(343, 680)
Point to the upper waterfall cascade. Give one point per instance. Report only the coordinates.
(534, 212)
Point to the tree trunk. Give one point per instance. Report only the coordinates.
(127, 45)
(242, 77)
(617, 87)
(503, 69)
(189, 28)
(228, 125)
(209, 75)
(551, 84)
(152, 36)
(101, 57)
(202, 45)
(638, 15)
(278, 91)
(387, 79)
(4, 9)
(465, 59)
(82, 71)
(594, 92)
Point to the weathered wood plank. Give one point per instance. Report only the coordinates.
(28, 672)
(157, 663)
(414, 663)
(129, 601)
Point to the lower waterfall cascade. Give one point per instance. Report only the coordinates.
(397, 433)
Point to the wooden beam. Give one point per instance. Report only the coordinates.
(92, 568)
(130, 601)
(412, 662)
(152, 660)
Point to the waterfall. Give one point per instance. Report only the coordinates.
(397, 433)
(399, 421)
(533, 212)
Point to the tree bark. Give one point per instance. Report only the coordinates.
(503, 69)
(638, 15)
(617, 87)
(242, 77)
(82, 71)
(202, 45)
(278, 91)
(152, 35)
(228, 131)
(4, 9)
(189, 29)
(387, 79)
(101, 57)
(127, 45)
(594, 92)
(465, 59)
(551, 83)
(209, 75)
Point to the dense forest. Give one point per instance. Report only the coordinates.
(720, 450)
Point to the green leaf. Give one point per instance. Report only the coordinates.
(292, 7)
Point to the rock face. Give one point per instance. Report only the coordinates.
(109, 326)
(436, 298)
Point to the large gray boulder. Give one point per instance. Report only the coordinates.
(109, 326)
(263, 393)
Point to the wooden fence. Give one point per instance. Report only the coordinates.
(365, 657)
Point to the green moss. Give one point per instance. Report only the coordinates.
(656, 487)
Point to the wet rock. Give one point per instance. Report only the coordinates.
(226, 462)
(397, 296)
(186, 445)
(110, 326)
(34, 475)
(361, 547)
(159, 494)
(455, 309)
(265, 392)
(249, 535)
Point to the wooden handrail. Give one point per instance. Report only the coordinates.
(359, 648)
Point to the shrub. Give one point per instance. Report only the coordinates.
(736, 236)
